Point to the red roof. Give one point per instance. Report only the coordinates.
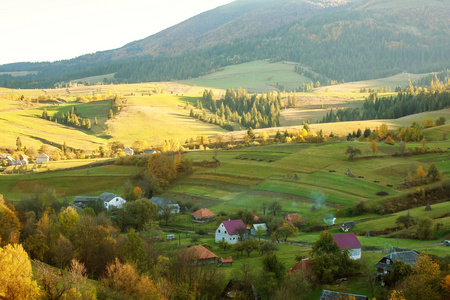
(229, 259)
(203, 213)
(305, 265)
(347, 240)
(197, 252)
(233, 226)
(293, 218)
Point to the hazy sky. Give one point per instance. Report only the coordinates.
(49, 30)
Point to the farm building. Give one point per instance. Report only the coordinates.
(332, 295)
(260, 226)
(347, 225)
(203, 215)
(349, 241)
(42, 158)
(225, 262)
(198, 255)
(128, 151)
(384, 266)
(231, 231)
(305, 265)
(293, 218)
(165, 204)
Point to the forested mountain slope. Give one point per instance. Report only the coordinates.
(342, 40)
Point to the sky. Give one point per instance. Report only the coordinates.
(50, 30)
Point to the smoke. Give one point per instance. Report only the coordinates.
(329, 219)
(319, 197)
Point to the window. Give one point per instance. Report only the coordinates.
(218, 231)
(388, 261)
(225, 232)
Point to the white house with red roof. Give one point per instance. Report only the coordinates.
(231, 231)
(349, 241)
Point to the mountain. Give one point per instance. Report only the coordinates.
(342, 40)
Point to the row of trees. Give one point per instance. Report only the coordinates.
(71, 118)
(248, 110)
(391, 107)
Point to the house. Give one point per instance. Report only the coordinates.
(225, 262)
(128, 151)
(112, 200)
(384, 266)
(349, 241)
(347, 225)
(237, 287)
(293, 218)
(260, 226)
(198, 255)
(305, 265)
(42, 158)
(231, 231)
(164, 204)
(203, 215)
(23, 160)
(149, 152)
(332, 295)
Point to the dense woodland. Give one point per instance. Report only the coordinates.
(334, 46)
(256, 111)
(403, 104)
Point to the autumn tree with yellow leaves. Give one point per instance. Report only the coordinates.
(16, 277)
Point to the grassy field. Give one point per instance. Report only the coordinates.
(257, 76)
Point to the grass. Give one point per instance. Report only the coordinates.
(256, 76)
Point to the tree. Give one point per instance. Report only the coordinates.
(420, 173)
(16, 276)
(9, 224)
(383, 131)
(425, 229)
(294, 287)
(122, 281)
(95, 121)
(433, 172)
(440, 121)
(274, 207)
(18, 143)
(374, 147)
(110, 114)
(284, 231)
(405, 221)
(352, 152)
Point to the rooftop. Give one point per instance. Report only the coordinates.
(203, 213)
(233, 226)
(197, 252)
(347, 240)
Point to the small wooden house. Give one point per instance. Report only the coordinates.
(203, 215)
(305, 266)
(225, 262)
(384, 266)
(198, 255)
(293, 218)
(346, 226)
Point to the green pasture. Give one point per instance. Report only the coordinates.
(110, 178)
(256, 76)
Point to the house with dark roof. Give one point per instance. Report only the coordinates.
(165, 204)
(235, 287)
(347, 225)
(149, 152)
(332, 295)
(349, 241)
(384, 266)
(231, 231)
(198, 255)
(304, 266)
(203, 215)
(110, 200)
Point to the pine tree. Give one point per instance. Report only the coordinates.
(111, 114)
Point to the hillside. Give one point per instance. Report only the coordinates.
(349, 41)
